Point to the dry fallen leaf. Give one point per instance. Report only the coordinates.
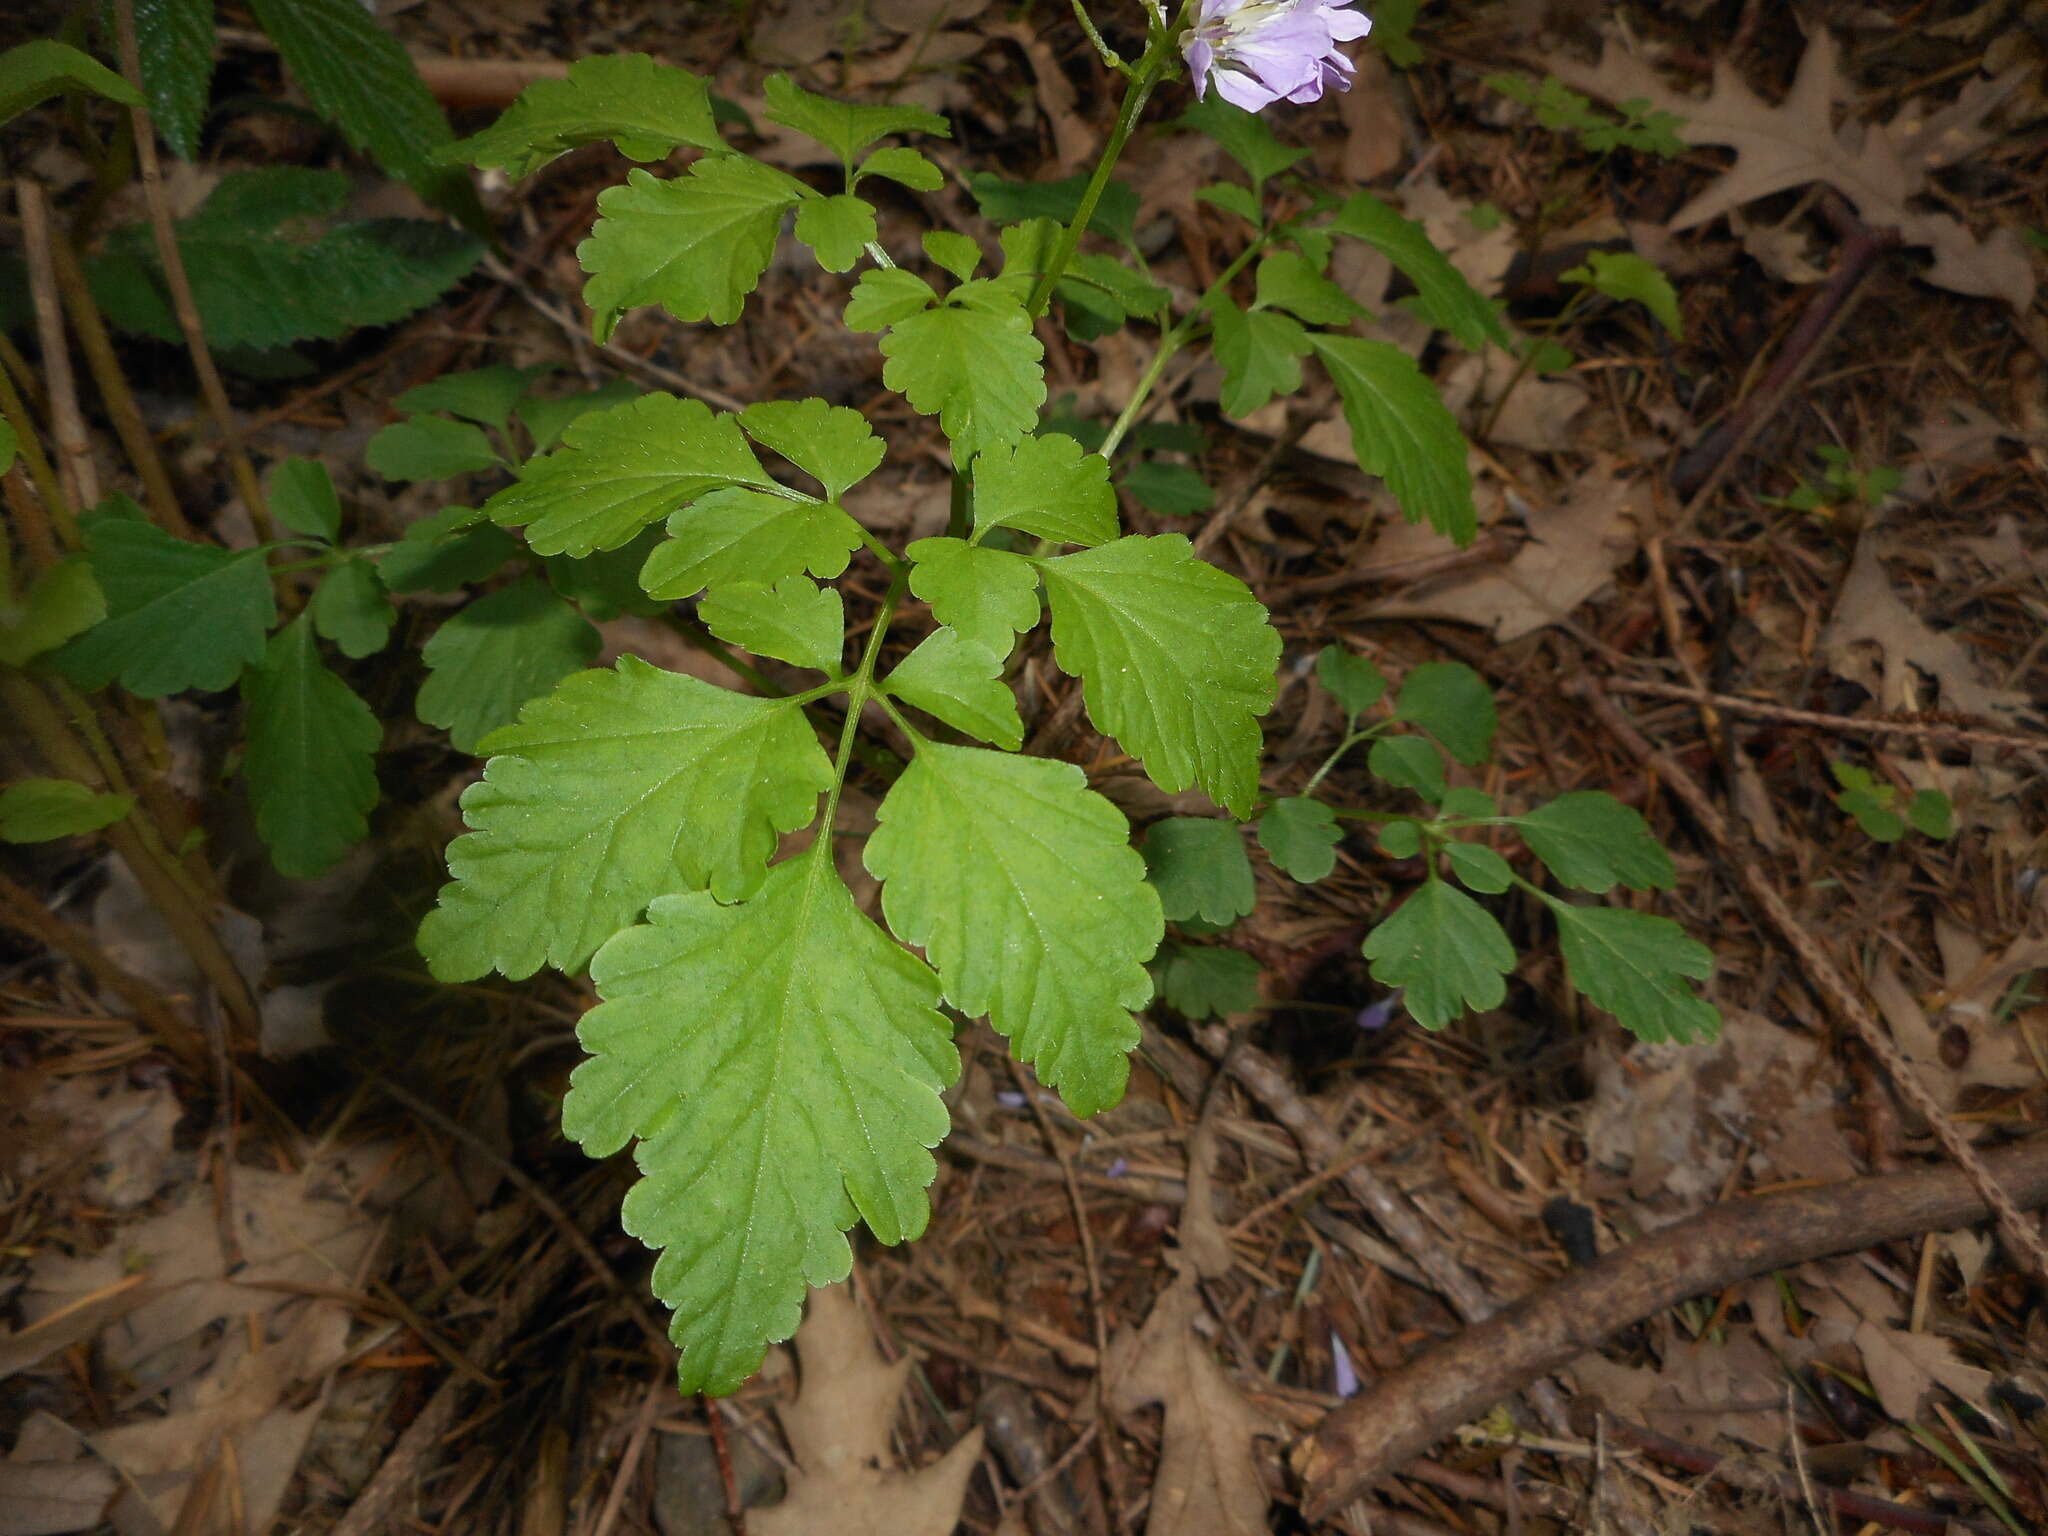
(839, 1431)
(1868, 611)
(1881, 168)
(1208, 1482)
(1575, 543)
(1701, 1393)
(1992, 1057)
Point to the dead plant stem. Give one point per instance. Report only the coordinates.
(14, 409)
(75, 467)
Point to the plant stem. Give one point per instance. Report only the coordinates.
(860, 688)
(182, 302)
(1522, 364)
(76, 470)
(1173, 340)
(1150, 71)
(1109, 55)
(18, 416)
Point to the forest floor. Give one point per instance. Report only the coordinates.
(367, 1286)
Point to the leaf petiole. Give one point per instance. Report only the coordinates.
(859, 689)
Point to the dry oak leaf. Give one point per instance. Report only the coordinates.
(1575, 542)
(1880, 168)
(1208, 1482)
(1994, 1058)
(839, 1429)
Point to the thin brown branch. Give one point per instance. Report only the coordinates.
(1405, 1413)
(1918, 730)
(75, 467)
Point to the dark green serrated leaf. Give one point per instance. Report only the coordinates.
(1244, 137)
(1300, 836)
(1014, 202)
(1402, 432)
(846, 128)
(607, 583)
(1625, 275)
(1408, 762)
(1200, 868)
(311, 763)
(1207, 981)
(1445, 951)
(179, 615)
(350, 608)
(445, 553)
(1451, 702)
(1287, 280)
(1446, 297)
(482, 395)
(1635, 965)
(1592, 842)
(645, 108)
(1478, 867)
(64, 602)
(497, 655)
(302, 498)
(174, 44)
(1232, 198)
(1171, 490)
(695, 244)
(1353, 681)
(548, 417)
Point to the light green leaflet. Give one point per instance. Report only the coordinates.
(646, 109)
(989, 595)
(781, 1061)
(621, 469)
(961, 682)
(1047, 487)
(1446, 950)
(618, 787)
(742, 534)
(1402, 432)
(695, 244)
(796, 620)
(1021, 886)
(1175, 657)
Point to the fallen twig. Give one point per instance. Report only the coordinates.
(1876, 725)
(1407, 1412)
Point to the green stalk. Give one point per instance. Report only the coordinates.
(860, 687)
(1151, 70)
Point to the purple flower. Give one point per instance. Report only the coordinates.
(1258, 52)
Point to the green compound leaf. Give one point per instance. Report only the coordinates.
(1244, 137)
(499, 654)
(961, 682)
(904, 166)
(1445, 950)
(486, 396)
(1479, 868)
(1176, 660)
(64, 602)
(1232, 198)
(884, 295)
(622, 469)
(34, 72)
(843, 127)
(1014, 202)
(781, 1061)
(1446, 298)
(360, 77)
(1402, 432)
(1353, 681)
(1451, 702)
(1300, 836)
(1625, 275)
(696, 244)
(837, 229)
(1046, 487)
(1408, 762)
(43, 810)
(1932, 814)
(795, 620)
(547, 417)
(747, 535)
(349, 607)
(973, 363)
(833, 444)
(311, 763)
(1592, 842)
(1260, 352)
(1289, 280)
(1635, 966)
(1021, 886)
(618, 787)
(431, 448)
(179, 615)
(1207, 981)
(1200, 869)
(259, 285)
(174, 42)
(646, 109)
(302, 498)
(989, 595)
